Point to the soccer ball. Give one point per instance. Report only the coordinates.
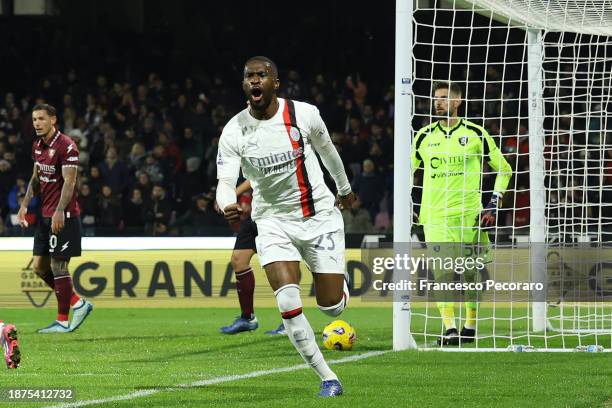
(339, 335)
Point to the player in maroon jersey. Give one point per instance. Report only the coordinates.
(58, 234)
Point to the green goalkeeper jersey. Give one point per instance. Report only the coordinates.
(452, 160)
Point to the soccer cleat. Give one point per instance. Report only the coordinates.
(330, 388)
(241, 325)
(450, 338)
(10, 345)
(55, 327)
(280, 330)
(80, 314)
(467, 335)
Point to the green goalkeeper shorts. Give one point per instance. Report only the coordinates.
(459, 229)
(458, 238)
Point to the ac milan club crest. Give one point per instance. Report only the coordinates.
(295, 134)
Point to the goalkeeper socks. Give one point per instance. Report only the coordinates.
(245, 285)
(447, 312)
(300, 332)
(470, 315)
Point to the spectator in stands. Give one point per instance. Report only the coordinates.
(191, 144)
(114, 172)
(153, 167)
(89, 209)
(369, 186)
(95, 180)
(137, 156)
(143, 183)
(193, 183)
(356, 219)
(201, 219)
(126, 143)
(171, 153)
(158, 212)
(7, 179)
(356, 150)
(134, 212)
(109, 215)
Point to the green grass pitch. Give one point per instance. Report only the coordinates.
(123, 351)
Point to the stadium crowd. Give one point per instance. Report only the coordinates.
(148, 144)
(148, 148)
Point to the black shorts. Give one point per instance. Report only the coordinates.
(246, 235)
(65, 244)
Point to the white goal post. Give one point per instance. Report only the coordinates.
(538, 77)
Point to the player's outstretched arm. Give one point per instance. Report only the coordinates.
(33, 190)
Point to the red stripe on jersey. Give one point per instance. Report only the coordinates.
(306, 200)
(291, 313)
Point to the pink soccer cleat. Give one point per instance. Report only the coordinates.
(10, 345)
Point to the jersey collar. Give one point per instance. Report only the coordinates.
(55, 136)
(449, 131)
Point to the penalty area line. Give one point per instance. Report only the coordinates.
(212, 381)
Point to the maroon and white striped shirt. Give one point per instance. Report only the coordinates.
(50, 158)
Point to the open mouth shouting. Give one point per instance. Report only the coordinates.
(256, 94)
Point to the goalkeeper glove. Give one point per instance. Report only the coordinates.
(489, 214)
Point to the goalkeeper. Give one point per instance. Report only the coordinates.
(452, 151)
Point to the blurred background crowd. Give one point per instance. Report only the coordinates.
(146, 103)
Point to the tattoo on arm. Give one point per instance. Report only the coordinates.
(69, 174)
(33, 187)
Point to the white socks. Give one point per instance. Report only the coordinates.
(299, 331)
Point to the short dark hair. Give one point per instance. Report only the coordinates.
(50, 109)
(267, 60)
(452, 86)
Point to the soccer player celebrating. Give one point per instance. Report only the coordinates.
(10, 345)
(244, 249)
(274, 142)
(451, 151)
(58, 234)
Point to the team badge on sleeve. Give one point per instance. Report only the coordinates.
(295, 134)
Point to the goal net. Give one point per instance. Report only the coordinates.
(537, 76)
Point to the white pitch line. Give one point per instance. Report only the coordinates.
(212, 381)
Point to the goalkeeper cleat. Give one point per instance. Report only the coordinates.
(241, 325)
(280, 330)
(468, 335)
(80, 314)
(450, 338)
(55, 327)
(330, 388)
(10, 345)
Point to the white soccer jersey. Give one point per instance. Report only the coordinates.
(277, 156)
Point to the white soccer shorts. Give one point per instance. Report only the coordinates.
(318, 240)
